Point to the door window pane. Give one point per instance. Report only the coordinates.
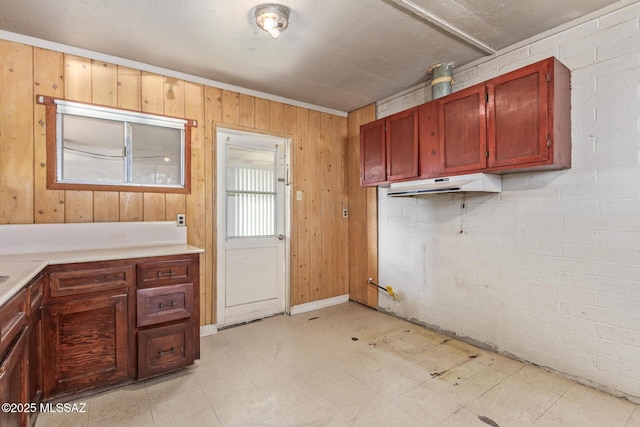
(251, 196)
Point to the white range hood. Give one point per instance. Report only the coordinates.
(477, 182)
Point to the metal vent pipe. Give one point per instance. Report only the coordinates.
(441, 79)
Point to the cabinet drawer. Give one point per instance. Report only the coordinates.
(165, 349)
(89, 280)
(13, 316)
(158, 273)
(164, 304)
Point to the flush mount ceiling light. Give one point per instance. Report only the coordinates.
(272, 18)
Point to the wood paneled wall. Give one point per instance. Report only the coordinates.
(320, 249)
(363, 217)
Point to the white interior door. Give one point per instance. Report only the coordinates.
(252, 223)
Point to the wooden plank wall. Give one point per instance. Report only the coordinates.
(363, 217)
(319, 236)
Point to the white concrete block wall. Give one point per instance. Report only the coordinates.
(549, 269)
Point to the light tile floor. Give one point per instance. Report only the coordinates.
(349, 366)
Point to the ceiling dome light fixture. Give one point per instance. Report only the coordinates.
(272, 18)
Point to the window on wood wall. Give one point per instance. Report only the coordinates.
(91, 147)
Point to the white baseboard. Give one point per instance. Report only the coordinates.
(208, 330)
(296, 309)
(315, 305)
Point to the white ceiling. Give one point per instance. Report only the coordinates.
(336, 54)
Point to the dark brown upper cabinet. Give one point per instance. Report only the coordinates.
(373, 153)
(429, 135)
(517, 122)
(528, 118)
(402, 145)
(389, 148)
(462, 125)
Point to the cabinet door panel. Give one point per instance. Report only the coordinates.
(518, 117)
(429, 142)
(463, 131)
(372, 154)
(86, 343)
(402, 145)
(13, 381)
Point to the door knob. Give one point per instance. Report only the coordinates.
(280, 236)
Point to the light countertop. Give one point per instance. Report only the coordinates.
(22, 268)
(103, 254)
(20, 273)
(26, 249)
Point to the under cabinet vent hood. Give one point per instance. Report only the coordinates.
(477, 182)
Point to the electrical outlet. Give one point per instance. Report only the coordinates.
(345, 213)
(181, 219)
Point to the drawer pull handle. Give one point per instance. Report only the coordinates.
(171, 273)
(164, 353)
(171, 304)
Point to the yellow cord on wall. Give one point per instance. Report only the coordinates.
(393, 294)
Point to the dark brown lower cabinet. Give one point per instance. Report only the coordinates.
(167, 314)
(14, 382)
(35, 292)
(35, 357)
(14, 359)
(87, 343)
(100, 329)
(85, 326)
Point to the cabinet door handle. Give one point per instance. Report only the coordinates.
(171, 304)
(169, 274)
(164, 353)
